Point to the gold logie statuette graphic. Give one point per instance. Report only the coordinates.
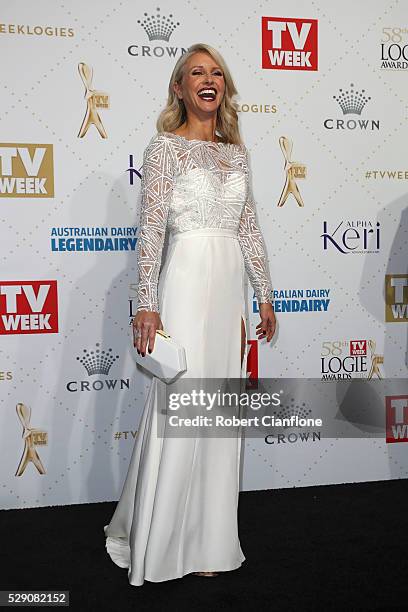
(376, 361)
(94, 99)
(294, 170)
(32, 437)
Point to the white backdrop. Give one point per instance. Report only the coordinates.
(70, 213)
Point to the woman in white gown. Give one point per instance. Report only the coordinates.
(177, 513)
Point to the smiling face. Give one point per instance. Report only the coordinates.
(202, 86)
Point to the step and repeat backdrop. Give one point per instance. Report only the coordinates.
(322, 101)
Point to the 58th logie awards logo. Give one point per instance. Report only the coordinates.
(346, 359)
(94, 100)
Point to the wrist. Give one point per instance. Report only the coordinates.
(262, 305)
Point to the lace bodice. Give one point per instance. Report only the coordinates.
(190, 184)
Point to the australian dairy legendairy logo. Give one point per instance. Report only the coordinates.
(91, 239)
(352, 102)
(298, 300)
(158, 29)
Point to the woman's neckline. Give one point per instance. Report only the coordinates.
(214, 142)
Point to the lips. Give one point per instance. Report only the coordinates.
(207, 93)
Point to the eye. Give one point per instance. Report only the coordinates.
(196, 72)
(218, 73)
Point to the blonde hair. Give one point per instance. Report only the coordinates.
(174, 114)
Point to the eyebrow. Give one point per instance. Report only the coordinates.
(199, 66)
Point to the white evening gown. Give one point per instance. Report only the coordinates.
(178, 509)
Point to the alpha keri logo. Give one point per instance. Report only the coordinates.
(352, 236)
(289, 44)
(135, 174)
(26, 170)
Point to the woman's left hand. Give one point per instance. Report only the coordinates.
(266, 328)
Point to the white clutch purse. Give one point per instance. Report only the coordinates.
(166, 361)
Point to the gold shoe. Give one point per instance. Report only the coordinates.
(206, 574)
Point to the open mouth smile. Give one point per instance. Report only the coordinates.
(208, 94)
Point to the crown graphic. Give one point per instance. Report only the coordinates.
(288, 411)
(97, 361)
(352, 101)
(158, 27)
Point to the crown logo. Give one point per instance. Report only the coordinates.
(158, 27)
(352, 101)
(97, 361)
(286, 412)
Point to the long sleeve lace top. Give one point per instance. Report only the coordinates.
(190, 184)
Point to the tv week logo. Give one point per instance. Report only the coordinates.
(28, 307)
(289, 44)
(396, 418)
(358, 347)
(26, 170)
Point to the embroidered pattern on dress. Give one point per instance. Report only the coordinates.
(191, 184)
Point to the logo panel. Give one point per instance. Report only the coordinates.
(26, 170)
(28, 307)
(289, 44)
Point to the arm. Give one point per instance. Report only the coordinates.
(157, 189)
(253, 247)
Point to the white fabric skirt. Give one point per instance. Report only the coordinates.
(177, 513)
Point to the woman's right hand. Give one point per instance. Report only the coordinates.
(145, 323)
